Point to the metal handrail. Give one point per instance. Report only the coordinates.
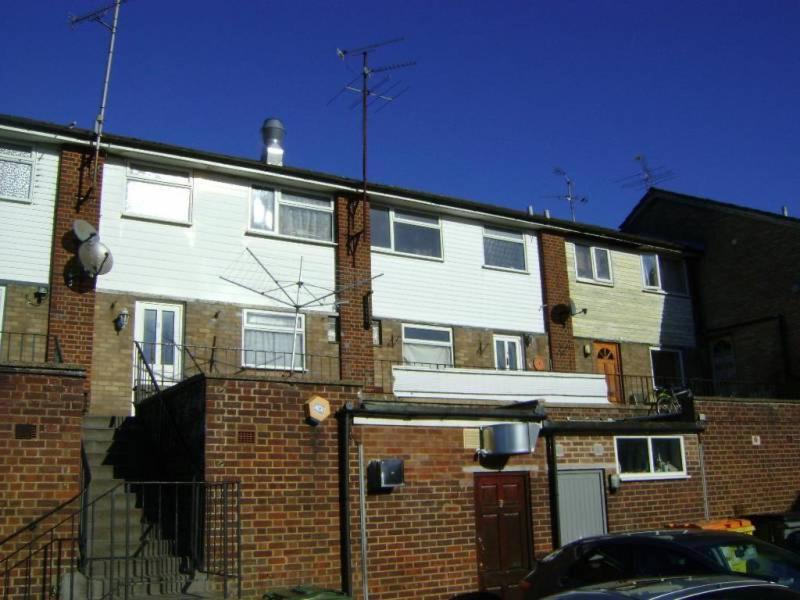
(28, 348)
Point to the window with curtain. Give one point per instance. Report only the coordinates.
(16, 172)
(292, 214)
(406, 232)
(271, 340)
(592, 264)
(427, 346)
(504, 249)
(663, 273)
(650, 457)
(157, 193)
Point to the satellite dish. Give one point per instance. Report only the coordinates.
(83, 230)
(95, 257)
(574, 310)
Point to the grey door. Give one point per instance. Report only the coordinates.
(581, 504)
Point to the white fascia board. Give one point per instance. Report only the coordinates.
(440, 423)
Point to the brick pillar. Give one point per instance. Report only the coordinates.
(352, 265)
(555, 283)
(72, 293)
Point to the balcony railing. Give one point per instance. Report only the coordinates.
(29, 348)
(641, 389)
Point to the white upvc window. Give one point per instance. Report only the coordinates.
(593, 264)
(503, 249)
(16, 172)
(2, 305)
(650, 457)
(163, 194)
(273, 340)
(664, 274)
(427, 345)
(406, 232)
(292, 214)
(507, 353)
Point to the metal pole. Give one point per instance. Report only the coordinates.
(552, 475)
(362, 509)
(343, 420)
(364, 95)
(701, 452)
(101, 116)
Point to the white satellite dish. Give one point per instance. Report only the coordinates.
(83, 230)
(94, 256)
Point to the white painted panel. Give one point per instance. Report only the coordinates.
(27, 227)
(502, 386)
(459, 290)
(186, 262)
(625, 311)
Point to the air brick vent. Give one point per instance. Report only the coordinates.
(24, 431)
(246, 437)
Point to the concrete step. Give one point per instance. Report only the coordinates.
(101, 421)
(103, 549)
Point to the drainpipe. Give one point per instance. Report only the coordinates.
(362, 509)
(552, 476)
(706, 509)
(344, 423)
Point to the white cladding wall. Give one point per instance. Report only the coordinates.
(459, 290)
(186, 262)
(625, 311)
(27, 227)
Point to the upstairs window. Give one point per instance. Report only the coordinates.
(504, 249)
(16, 172)
(429, 346)
(664, 274)
(163, 194)
(291, 214)
(667, 367)
(406, 232)
(650, 457)
(592, 264)
(270, 340)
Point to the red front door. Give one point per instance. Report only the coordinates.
(503, 535)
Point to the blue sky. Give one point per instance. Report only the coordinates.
(502, 93)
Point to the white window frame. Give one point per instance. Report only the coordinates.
(2, 306)
(21, 160)
(508, 339)
(299, 352)
(516, 237)
(167, 373)
(593, 255)
(142, 166)
(279, 200)
(430, 342)
(660, 288)
(677, 351)
(394, 218)
(652, 474)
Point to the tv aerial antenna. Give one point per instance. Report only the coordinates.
(251, 273)
(647, 176)
(99, 16)
(382, 92)
(570, 196)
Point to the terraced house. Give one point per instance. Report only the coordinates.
(398, 393)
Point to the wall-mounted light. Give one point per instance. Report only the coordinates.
(121, 320)
(527, 338)
(614, 482)
(39, 294)
(587, 350)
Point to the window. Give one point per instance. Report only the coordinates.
(159, 330)
(2, 306)
(667, 367)
(664, 274)
(332, 329)
(504, 249)
(16, 172)
(507, 353)
(292, 214)
(650, 457)
(427, 345)
(592, 264)
(406, 232)
(271, 340)
(723, 361)
(159, 193)
(377, 333)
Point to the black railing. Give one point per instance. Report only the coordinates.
(140, 537)
(29, 348)
(642, 389)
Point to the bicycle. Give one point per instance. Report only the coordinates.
(668, 400)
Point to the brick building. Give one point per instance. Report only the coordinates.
(746, 285)
(245, 295)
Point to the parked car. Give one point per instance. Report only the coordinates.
(699, 587)
(665, 553)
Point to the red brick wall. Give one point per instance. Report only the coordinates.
(555, 284)
(71, 310)
(289, 478)
(38, 474)
(744, 478)
(352, 265)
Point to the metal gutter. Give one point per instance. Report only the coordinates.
(346, 572)
(622, 427)
(404, 410)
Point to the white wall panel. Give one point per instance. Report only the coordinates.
(627, 312)
(459, 290)
(27, 227)
(186, 262)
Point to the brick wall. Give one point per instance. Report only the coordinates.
(22, 313)
(353, 264)
(288, 474)
(38, 474)
(555, 284)
(71, 307)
